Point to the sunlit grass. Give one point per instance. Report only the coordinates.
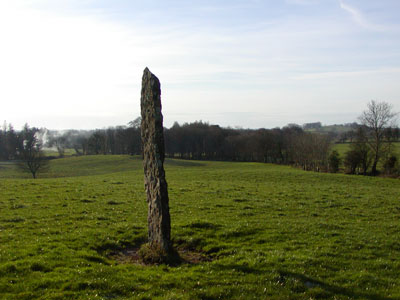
(272, 232)
(343, 148)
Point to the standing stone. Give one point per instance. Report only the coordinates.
(153, 162)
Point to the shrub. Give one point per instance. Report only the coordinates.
(334, 161)
(390, 165)
(352, 161)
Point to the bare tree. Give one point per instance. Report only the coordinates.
(135, 123)
(311, 151)
(359, 157)
(32, 158)
(377, 117)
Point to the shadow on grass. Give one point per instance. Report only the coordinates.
(202, 225)
(240, 233)
(136, 251)
(238, 268)
(141, 255)
(111, 247)
(333, 289)
(183, 163)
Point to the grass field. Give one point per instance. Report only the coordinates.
(270, 232)
(54, 152)
(343, 148)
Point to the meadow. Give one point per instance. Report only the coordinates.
(342, 148)
(262, 232)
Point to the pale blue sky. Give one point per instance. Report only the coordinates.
(78, 64)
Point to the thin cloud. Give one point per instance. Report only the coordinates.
(281, 60)
(346, 74)
(302, 2)
(358, 17)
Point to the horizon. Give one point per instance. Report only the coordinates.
(181, 124)
(250, 64)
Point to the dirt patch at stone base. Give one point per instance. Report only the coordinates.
(186, 256)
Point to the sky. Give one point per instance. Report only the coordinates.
(240, 63)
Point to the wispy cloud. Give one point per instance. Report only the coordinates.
(359, 17)
(277, 57)
(302, 2)
(346, 74)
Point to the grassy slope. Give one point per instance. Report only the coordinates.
(273, 232)
(343, 148)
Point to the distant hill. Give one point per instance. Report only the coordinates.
(336, 128)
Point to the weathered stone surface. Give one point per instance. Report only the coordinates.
(159, 223)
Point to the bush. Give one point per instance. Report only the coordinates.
(352, 161)
(390, 165)
(334, 161)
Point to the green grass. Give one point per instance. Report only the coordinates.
(54, 152)
(272, 232)
(76, 166)
(343, 148)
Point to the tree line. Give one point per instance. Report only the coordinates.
(197, 141)
(287, 145)
(372, 143)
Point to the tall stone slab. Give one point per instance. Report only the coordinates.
(159, 224)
